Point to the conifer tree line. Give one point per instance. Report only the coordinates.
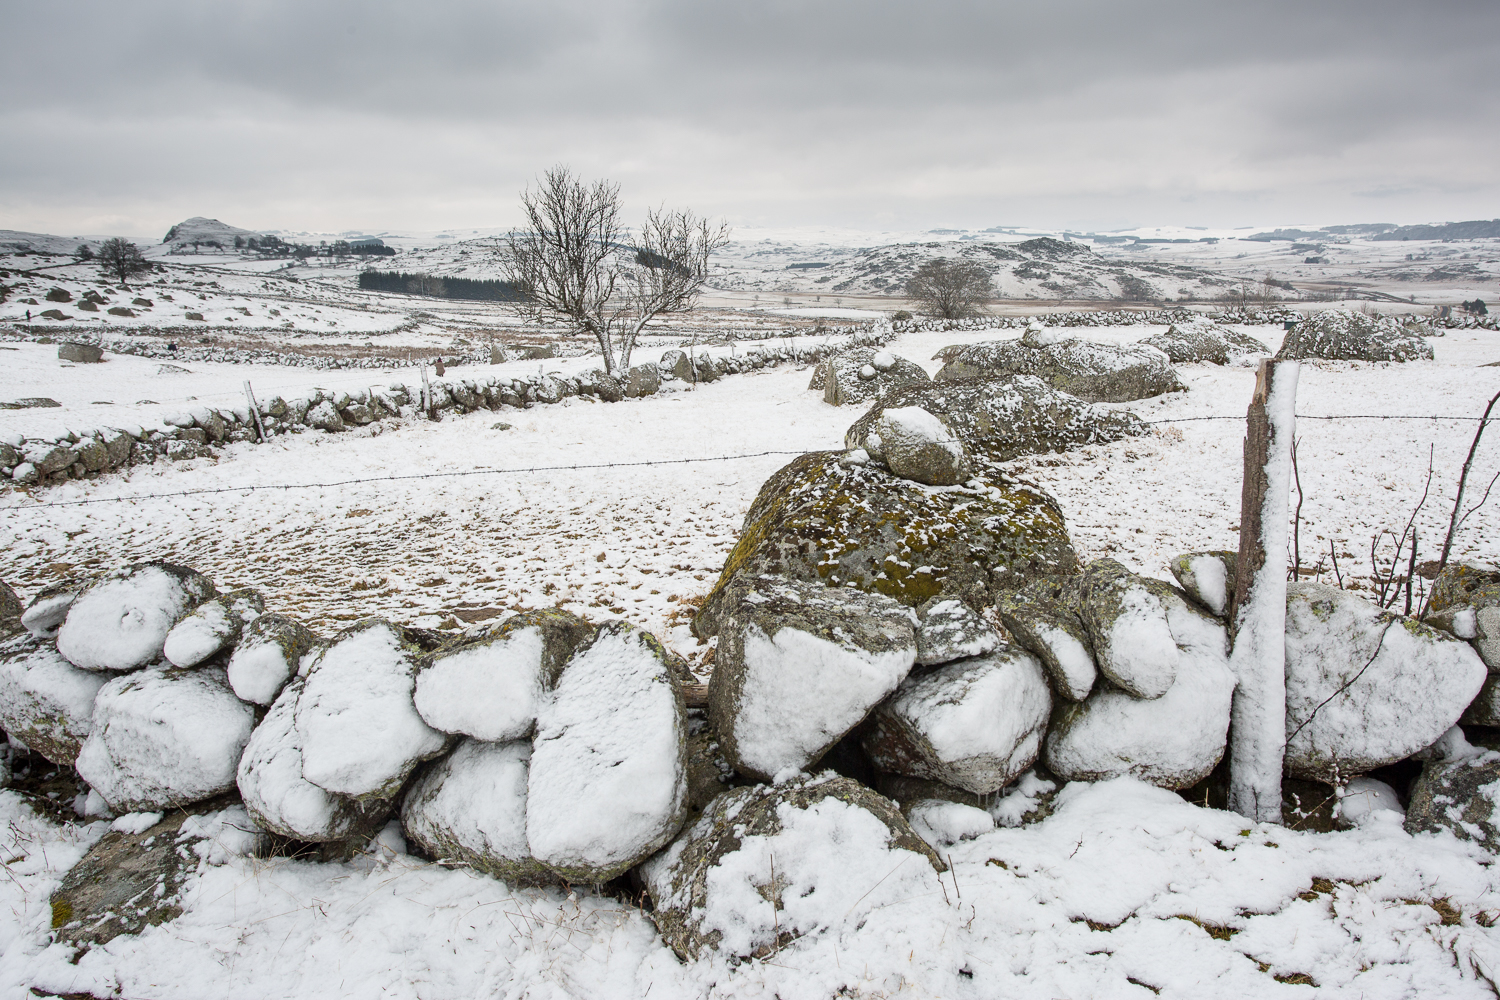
(447, 288)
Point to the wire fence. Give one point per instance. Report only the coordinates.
(520, 470)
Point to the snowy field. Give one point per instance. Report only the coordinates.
(1126, 891)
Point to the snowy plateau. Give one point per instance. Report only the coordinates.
(627, 511)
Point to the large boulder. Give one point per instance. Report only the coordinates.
(268, 654)
(1366, 687)
(360, 734)
(1096, 372)
(677, 364)
(861, 374)
(1127, 627)
(490, 684)
(914, 444)
(1345, 335)
(642, 380)
(1459, 796)
(798, 666)
(281, 800)
(121, 620)
(1202, 342)
(1461, 584)
(608, 781)
(999, 419)
(1044, 618)
(826, 853)
(45, 701)
(855, 525)
(1173, 740)
(211, 627)
(470, 808)
(975, 724)
(162, 738)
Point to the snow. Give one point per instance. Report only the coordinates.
(121, 623)
(41, 694)
(46, 615)
(1363, 798)
(802, 692)
(1135, 648)
(270, 780)
(205, 631)
(1073, 659)
(608, 780)
(1258, 658)
(258, 668)
(1175, 739)
(943, 824)
(1211, 580)
(951, 630)
(475, 798)
(490, 691)
(162, 738)
(360, 734)
(133, 823)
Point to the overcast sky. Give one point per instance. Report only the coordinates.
(124, 117)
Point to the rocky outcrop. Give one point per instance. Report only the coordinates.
(1094, 372)
(862, 374)
(1203, 342)
(1345, 335)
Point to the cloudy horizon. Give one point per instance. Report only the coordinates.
(1080, 114)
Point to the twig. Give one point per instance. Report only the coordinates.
(1297, 518)
(1334, 552)
(1453, 521)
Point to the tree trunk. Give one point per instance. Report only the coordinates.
(1257, 609)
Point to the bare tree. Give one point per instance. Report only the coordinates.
(576, 260)
(950, 289)
(122, 258)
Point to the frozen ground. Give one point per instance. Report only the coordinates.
(1125, 891)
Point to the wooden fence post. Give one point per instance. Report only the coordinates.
(260, 428)
(1257, 607)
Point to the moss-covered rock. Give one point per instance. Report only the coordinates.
(45, 701)
(1043, 617)
(1458, 796)
(859, 526)
(1345, 335)
(1005, 417)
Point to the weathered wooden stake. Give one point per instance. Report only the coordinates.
(260, 428)
(1257, 608)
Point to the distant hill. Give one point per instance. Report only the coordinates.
(199, 230)
(12, 241)
(1477, 230)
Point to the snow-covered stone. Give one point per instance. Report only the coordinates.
(767, 864)
(850, 377)
(211, 626)
(799, 665)
(281, 800)
(918, 446)
(1092, 371)
(1208, 577)
(1459, 796)
(1342, 334)
(1043, 617)
(359, 731)
(948, 629)
(942, 823)
(975, 724)
(45, 701)
(1365, 687)
(470, 808)
(1127, 628)
(999, 419)
(326, 416)
(608, 781)
(490, 684)
(47, 610)
(121, 621)
(1363, 798)
(1173, 740)
(267, 656)
(162, 738)
(1203, 342)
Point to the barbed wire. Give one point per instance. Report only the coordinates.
(395, 479)
(606, 465)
